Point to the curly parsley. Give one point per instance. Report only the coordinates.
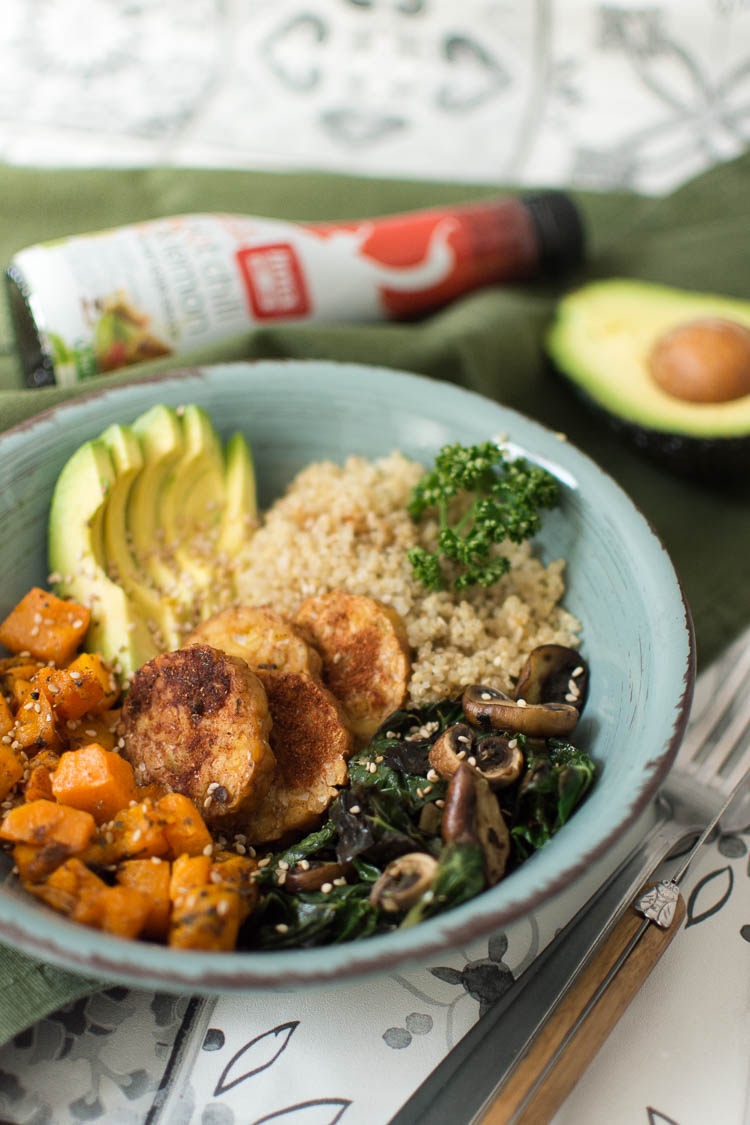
(508, 498)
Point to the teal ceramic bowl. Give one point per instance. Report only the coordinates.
(620, 583)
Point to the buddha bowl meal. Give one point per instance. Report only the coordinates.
(222, 731)
(355, 671)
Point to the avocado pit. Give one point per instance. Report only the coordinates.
(706, 360)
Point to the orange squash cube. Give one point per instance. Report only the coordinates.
(94, 779)
(184, 826)
(73, 890)
(189, 872)
(151, 877)
(46, 626)
(6, 716)
(207, 918)
(135, 833)
(36, 726)
(39, 783)
(90, 728)
(89, 666)
(12, 767)
(71, 696)
(46, 822)
(123, 911)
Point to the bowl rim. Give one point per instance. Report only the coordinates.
(90, 952)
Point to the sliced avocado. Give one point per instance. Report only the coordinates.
(190, 506)
(76, 553)
(119, 519)
(240, 513)
(602, 339)
(160, 435)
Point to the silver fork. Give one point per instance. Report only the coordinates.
(707, 780)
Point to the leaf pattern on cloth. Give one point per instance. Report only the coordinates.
(314, 1112)
(260, 1053)
(709, 895)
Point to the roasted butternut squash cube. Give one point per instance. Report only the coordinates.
(135, 833)
(189, 872)
(71, 696)
(90, 728)
(207, 918)
(74, 890)
(14, 668)
(12, 766)
(237, 871)
(46, 626)
(36, 726)
(152, 878)
(90, 666)
(46, 822)
(6, 716)
(124, 911)
(94, 779)
(184, 826)
(39, 783)
(35, 864)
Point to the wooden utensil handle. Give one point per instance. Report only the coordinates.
(584, 1043)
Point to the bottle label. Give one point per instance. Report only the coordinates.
(159, 288)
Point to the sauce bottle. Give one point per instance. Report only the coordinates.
(94, 303)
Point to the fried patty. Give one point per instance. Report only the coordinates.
(366, 655)
(312, 743)
(196, 721)
(260, 636)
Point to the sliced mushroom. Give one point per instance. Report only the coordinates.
(554, 674)
(472, 815)
(313, 877)
(499, 760)
(403, 882)
(489, 709)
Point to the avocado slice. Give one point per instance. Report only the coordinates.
(190, 505)
(601, 340)
(128, 462)
(240, 513)
(76, 553)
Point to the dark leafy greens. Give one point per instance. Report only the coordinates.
(392, 808)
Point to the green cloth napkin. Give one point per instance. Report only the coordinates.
(490, 341)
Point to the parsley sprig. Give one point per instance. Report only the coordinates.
(508, 498)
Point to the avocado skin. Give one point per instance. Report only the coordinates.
(706, 456)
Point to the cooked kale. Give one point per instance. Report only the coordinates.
(391, 808)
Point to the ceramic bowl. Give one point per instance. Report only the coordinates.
(620, 583)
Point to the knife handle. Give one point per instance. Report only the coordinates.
(518, 1102)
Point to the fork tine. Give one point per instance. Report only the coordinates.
(697, 736)
(719, 766)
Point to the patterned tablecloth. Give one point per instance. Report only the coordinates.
(543, 91)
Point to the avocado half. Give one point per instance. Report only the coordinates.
(600, 341)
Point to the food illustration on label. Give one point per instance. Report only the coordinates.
(121, 334)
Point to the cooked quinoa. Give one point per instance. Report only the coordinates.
(347, 528)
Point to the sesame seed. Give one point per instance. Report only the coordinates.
(208, 850)
(577, 671)
(281, 878)
(155, 859)
(461, 754)
(355, 809)
(570, 697)
(283, 865)
(264, 862)
(222, 907)
(304, 864)
(432, 775)
(240, 849)
(327, 888)
(464, 738)
(427, 789)
(485, 695)
(471, 760)
(522, 703)
(440, 804)
(90, 732)
(420, 793)
(512, 743)
(282, 928)
(340, 881)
